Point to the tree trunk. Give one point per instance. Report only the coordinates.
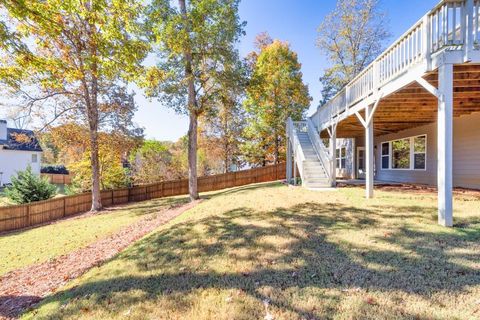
(96, 196)
(192, 157)
(91, 98)
(277, 147)
(193, 108)
(94, 157)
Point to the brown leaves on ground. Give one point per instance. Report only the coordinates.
(19, 289)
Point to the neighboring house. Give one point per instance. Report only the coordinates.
(18, 149)
(412, 115)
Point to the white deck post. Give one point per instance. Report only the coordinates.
(369, 154)
(289, 161)
(333, 153)
(426, 42)
(294, 171)
(469, 27)
(445, 145)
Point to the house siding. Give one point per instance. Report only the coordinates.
(466, 154)
(12, 161)
(349, 170)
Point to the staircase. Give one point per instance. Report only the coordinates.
(309, 154)
(314, 174)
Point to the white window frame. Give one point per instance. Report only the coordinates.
(339, 158)
(34, 155)
(386, 155)
(412, 154)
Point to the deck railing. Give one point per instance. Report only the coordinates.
(451, 25)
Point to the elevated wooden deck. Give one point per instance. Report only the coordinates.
(449, 33)
(413, 105)
(430, 74)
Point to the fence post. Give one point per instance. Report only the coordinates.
(64, 207)
(29, 222)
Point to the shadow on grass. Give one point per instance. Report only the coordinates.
(310, 259)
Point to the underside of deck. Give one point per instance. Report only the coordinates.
(413, 105)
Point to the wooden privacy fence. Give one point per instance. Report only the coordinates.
(57, 178)
(21, 216)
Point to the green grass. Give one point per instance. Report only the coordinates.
(36, 245)
(4, 201)
(294, 254)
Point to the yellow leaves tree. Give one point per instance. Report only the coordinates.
(276, 91)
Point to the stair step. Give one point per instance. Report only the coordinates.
(312, 164)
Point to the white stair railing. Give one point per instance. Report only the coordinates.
(298, 155)
(320, 149)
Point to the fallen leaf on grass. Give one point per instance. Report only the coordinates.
(269, 316)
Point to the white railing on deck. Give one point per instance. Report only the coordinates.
(476, 24)
(444, 27)
(300, 126)
(407, 51)
(447, 25)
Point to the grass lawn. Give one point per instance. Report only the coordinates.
(4, 201)
(273, 252)
(30, 246)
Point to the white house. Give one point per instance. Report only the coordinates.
(411, 116)
(18, 149)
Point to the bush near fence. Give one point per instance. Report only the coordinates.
(21, 216)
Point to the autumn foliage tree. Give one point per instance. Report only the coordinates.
(72, 59)
(276, 91)
(70, 145)
(351, 37)
(222, 128)
(194, 40)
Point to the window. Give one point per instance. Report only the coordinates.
(344, 158)
(34, 158)
(419, 152)
(385, 155)
(341, 155)
(401, 154)
(405, 154)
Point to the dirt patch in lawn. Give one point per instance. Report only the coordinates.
(20, 289)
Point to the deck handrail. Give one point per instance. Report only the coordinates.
(451, 24)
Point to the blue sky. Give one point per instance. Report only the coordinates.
(295, 21)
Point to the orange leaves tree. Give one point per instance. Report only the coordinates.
(73, 59)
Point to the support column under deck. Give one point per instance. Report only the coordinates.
(333, 153)
(369, 154)
(445, 145)
(289, 162)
